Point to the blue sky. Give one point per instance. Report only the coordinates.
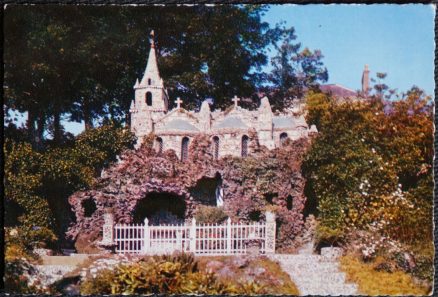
(395, 39)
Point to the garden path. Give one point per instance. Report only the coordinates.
(315, 274)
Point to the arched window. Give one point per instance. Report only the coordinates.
(184, 148)
(159, 145)
(149, 98)
(216, 147)
(245, 140)
(283, 138)
(289, 202)
(149, 81)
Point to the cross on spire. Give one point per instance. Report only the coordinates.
(235, 100)
(178, 102)
(151, 38)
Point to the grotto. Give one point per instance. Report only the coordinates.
(160, 208)
(159, 186)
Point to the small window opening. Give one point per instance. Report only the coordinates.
(283, 138)
(149, 98)
(89, 207)
(245, 140)
(184, 149)
(289, 202)
(255, 215)
(270, 197)
(159, 145)
(149, 81)
(216, 147)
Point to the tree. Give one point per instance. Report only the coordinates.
(370, 162)
(294, 71)
(80, 63)
(37, 184)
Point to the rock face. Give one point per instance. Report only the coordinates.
(146, 181)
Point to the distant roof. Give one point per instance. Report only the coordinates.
(333, 89)
(231, 122)
(178, 124)
(337, 90)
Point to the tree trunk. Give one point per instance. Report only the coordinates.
(57, 129)
(40, 132)
(31, 129)
(35, 132)
(87, 115)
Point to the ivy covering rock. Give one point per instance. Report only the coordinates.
(266, 180)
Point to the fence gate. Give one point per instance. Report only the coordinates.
(200, 239)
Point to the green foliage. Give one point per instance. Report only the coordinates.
(99, 147)
(373, 282)
(327, 235)
(89, 57)
(370, 165)
(18, 262)
(23, 182)
(162, 275)
(37, 184)
(294, 71)
(210, 215)
(15, 279)
(424, 254)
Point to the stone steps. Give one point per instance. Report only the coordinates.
(49, 274)
(315, 274)
(332, 278)
(73, 259)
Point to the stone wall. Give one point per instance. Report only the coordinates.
(268, 179)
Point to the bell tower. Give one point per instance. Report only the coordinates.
(151, 99)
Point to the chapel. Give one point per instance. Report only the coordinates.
(229, 130)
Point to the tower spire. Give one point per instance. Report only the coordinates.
(151, 74)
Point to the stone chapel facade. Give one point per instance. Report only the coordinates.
(174, 129)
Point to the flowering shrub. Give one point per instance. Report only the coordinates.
(369, 169)
(176, 274)
(16, 276)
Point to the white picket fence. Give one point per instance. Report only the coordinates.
(200, 239)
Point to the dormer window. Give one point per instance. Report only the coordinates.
(149, 99)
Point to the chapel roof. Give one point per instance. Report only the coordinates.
(230, 122)
(179, 124)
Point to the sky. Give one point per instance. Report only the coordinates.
(390, 38)
(394, 39)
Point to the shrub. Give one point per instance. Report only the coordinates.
(15, 277)
(37, 184)
(328, 236)
(210, 215)
(177, 274)
(26, 239)
(373, 282)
